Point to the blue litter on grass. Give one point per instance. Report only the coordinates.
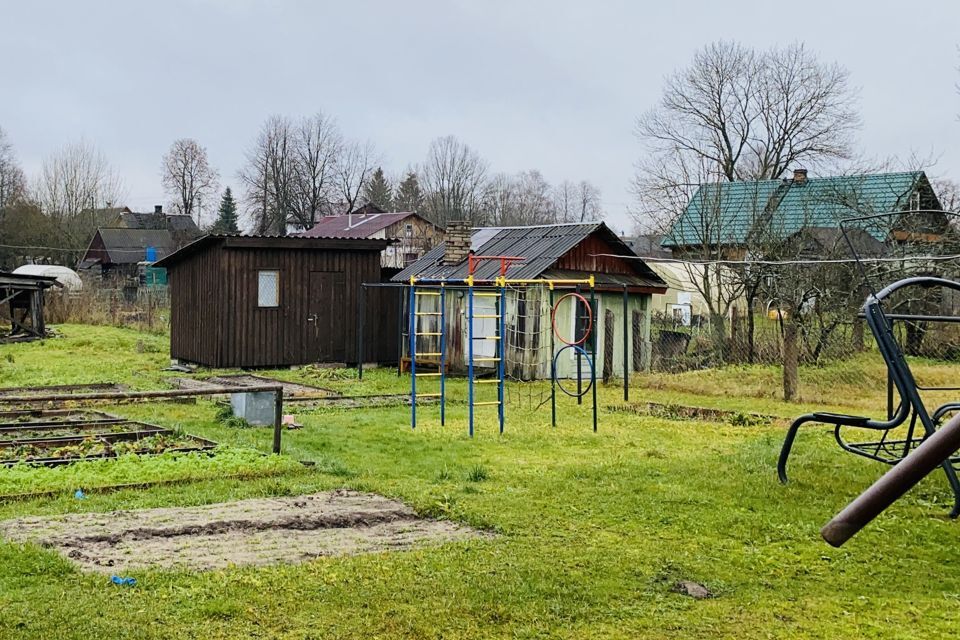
(79, 495)
(124, 582)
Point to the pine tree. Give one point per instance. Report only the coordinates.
(409, 196)
(378, 191)
(227, 215)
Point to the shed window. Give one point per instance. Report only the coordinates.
(408, 230)
(268, 288)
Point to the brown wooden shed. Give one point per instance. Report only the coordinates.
(266, 301)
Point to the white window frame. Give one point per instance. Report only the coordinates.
(276, 288)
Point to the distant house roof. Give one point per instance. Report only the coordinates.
(127, 246)
(541, 247)
(649, 246)
(357, 225)
(175, 223)
(237, 241)
(726, 213)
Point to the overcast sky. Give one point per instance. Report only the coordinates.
(549, 85)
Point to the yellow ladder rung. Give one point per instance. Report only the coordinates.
(488, 295)
(424, 355)
(487, 316)
(428, 375)
(428, 313)
(485, 404)
(486, 337)
(486, 359)
(487, 381)
(429, 333)
(425, 293)
(429, 395)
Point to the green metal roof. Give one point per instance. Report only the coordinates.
(727, 212)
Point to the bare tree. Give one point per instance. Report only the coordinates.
(317, 148)
(13, 184)
(73, 187)
(454, 179)
(269, 177)
(752, 115)
(589, 206)
(735, 114)
(354, 166)
(188, 178)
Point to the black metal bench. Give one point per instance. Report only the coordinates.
(887, 448)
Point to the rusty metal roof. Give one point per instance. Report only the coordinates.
(540, 246)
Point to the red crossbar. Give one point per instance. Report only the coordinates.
(505, 262)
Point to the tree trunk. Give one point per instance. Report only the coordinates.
(609, 325)
(791, 360)
(856, 338)
(718, 329)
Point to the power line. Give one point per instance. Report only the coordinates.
(779, 262)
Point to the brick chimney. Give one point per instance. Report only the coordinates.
(799, 177)
(457, 242)
(158, 208)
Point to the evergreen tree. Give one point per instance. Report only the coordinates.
(409, 196)
(227, 215)
(377, 191)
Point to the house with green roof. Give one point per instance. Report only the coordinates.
(730, 218)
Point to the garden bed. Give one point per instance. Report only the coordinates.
(43, 417)
(64, 444)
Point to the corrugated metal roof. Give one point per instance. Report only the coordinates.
(726, 213)
(540, 246)
(354, 226)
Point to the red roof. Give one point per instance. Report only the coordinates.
(355, 226)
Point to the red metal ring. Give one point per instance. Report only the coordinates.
(553, 319)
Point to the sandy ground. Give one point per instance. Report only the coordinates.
(247, 532)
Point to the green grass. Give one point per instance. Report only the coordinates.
(593, 529)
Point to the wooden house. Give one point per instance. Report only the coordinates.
(263, 301)
(412, 234)
(623, 284)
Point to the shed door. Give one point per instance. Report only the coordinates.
(325, 320)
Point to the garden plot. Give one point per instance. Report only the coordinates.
(52, 442)
(248, 532)
(43, 417)
(96, 387)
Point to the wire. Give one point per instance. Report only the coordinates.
(779, 262)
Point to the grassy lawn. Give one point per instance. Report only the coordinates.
(593, 529)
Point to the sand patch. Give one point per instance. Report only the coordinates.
(247, 532)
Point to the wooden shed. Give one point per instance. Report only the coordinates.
(268, 301)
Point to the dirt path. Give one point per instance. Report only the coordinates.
(247, 532)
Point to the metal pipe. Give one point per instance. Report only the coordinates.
(360, 328)
(626, 341)
(277, 419)
(593, 362)
(443, 356)
(553, 371)
(470, 355)
(932, 453)
(136, 395)
(412, 336)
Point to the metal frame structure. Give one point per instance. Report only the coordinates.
(911, 405)
(496, 289)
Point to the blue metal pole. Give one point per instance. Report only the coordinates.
(443, 355)
(470, 352)
(413, 356)
(501, 329)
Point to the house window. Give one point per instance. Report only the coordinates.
(409, 259)
(408, 230)
(268, 288)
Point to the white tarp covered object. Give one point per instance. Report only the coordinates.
(64, 275)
